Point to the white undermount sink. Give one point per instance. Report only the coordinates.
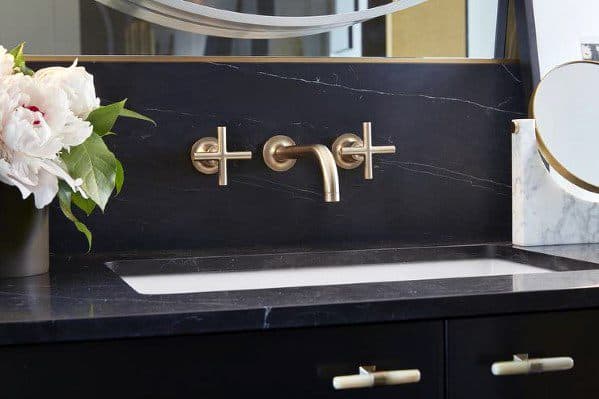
(211, 281)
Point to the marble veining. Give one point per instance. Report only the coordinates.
(516, 79)
(543, 213)
(318, 81)
(448, 183)
(497, 187)
(337, 84)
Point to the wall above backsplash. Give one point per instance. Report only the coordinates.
(448, 183)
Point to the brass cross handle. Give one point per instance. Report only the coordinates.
(210, 155)
(350, 151)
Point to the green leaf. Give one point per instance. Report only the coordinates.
(93, 162)
(127, 113)
(85, 204)
(104, 117)
(64, 200)
(17, 53)
(26, 70)
(120, 176)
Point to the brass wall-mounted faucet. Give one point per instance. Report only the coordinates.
(280, 154)
(209, 155)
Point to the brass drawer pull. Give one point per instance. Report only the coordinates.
(368, 378)
(523, 365)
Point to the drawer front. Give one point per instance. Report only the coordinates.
(475, 344)
(287, 363)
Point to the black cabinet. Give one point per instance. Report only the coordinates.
(272, 364)
(454, 358)
(474, 344)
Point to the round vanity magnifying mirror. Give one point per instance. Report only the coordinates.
(565, 106)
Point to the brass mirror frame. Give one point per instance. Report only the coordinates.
(544, 150)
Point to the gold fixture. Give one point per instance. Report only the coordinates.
(515, 127)
(210, 155)
(350, 151)
(280, 154)
(265, 59)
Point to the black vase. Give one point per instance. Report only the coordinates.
(24, 235)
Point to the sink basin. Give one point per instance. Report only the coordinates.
(161, 279)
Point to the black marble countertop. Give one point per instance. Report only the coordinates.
(83, 299)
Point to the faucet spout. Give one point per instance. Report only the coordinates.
(280, 154)
(326, 161)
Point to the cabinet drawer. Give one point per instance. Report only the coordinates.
(475, 344)
(297, 363)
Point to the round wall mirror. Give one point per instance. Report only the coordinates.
(192, 16)
(465, 29)
(565, 106)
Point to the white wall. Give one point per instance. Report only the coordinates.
(561, 27)
(482, 24)
(48, 26)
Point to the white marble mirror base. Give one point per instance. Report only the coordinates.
(543, 213)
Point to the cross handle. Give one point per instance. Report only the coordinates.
(351, 151)
(209, 155)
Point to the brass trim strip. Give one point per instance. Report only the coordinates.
(545, 153)
(235, 60)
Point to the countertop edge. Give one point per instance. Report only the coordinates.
(286, 317)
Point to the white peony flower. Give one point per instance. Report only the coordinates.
(7, 63)
(27, 132)
(78, 85)
(36, 124)
(53, 104)
(8, 102)
(38, 177)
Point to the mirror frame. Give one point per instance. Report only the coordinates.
(196, 18)
(553, 162)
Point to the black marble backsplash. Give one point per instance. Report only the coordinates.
(449, 182)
